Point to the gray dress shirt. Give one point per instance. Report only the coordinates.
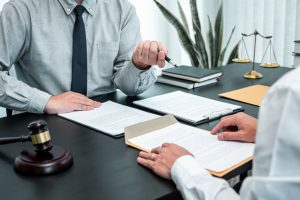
(36, 37)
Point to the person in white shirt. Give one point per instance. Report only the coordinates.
(276, 162)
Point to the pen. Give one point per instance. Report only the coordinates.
(169, 60)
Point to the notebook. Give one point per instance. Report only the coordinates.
(192, 73)
(219, 157)
(184, 83)
(188, 107)
(110, 118)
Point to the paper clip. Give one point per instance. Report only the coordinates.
(218, 113)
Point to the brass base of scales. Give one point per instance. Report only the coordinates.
(245, 59)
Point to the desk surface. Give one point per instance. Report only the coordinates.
(105, 168)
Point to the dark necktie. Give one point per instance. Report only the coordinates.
(79, 59)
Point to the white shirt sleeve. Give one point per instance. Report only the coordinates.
(276, 162)
(194, 182)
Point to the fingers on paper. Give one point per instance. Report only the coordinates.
(225, 122)
(157, 150)
(233, 136)
(82, 102)
(147, 159)
(144, 162)
(86, 105)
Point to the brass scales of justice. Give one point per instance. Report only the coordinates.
(243, 56)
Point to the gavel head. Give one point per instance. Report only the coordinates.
(40, 136)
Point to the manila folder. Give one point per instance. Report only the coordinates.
(218, 157)
(252, 95)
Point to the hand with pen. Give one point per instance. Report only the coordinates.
(149, 53)
(237, 127)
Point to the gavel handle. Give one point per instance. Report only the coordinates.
(9, 140)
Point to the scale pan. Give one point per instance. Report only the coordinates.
(270, 65)
(241, 60)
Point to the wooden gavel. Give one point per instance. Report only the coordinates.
(39, 137)
(45, 159)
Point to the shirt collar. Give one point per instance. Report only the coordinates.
(69, 5)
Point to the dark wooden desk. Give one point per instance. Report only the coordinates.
(105, 168)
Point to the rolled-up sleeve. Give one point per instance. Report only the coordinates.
(127, 77)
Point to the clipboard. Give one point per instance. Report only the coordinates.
(163, 122)
(218, 108)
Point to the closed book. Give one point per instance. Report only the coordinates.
(297, 47)
(184, 83)
(192, 73)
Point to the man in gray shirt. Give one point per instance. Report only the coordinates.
(36, 37)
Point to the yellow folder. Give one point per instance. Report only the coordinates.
(252, 95)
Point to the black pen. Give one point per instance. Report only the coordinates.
(170, 61)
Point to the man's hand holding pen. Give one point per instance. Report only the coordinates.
(145, 55)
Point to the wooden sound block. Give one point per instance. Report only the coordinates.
(30, 162)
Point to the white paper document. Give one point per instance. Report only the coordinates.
(188, 107)
(211, 153)
(110, 118)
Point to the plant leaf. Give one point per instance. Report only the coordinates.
(183, 17)
(200, 43)
(211, 44)
(185, 39)
(194, 12)
(224, 50)
(233, 53)
(218, 35)
(201, 47)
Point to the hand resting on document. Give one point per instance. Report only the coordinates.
(161, 159)
(238, 127)
(68, 102)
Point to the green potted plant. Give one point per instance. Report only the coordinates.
(202, 54)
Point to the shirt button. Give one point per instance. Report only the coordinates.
(68, 9)
(91, 10)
